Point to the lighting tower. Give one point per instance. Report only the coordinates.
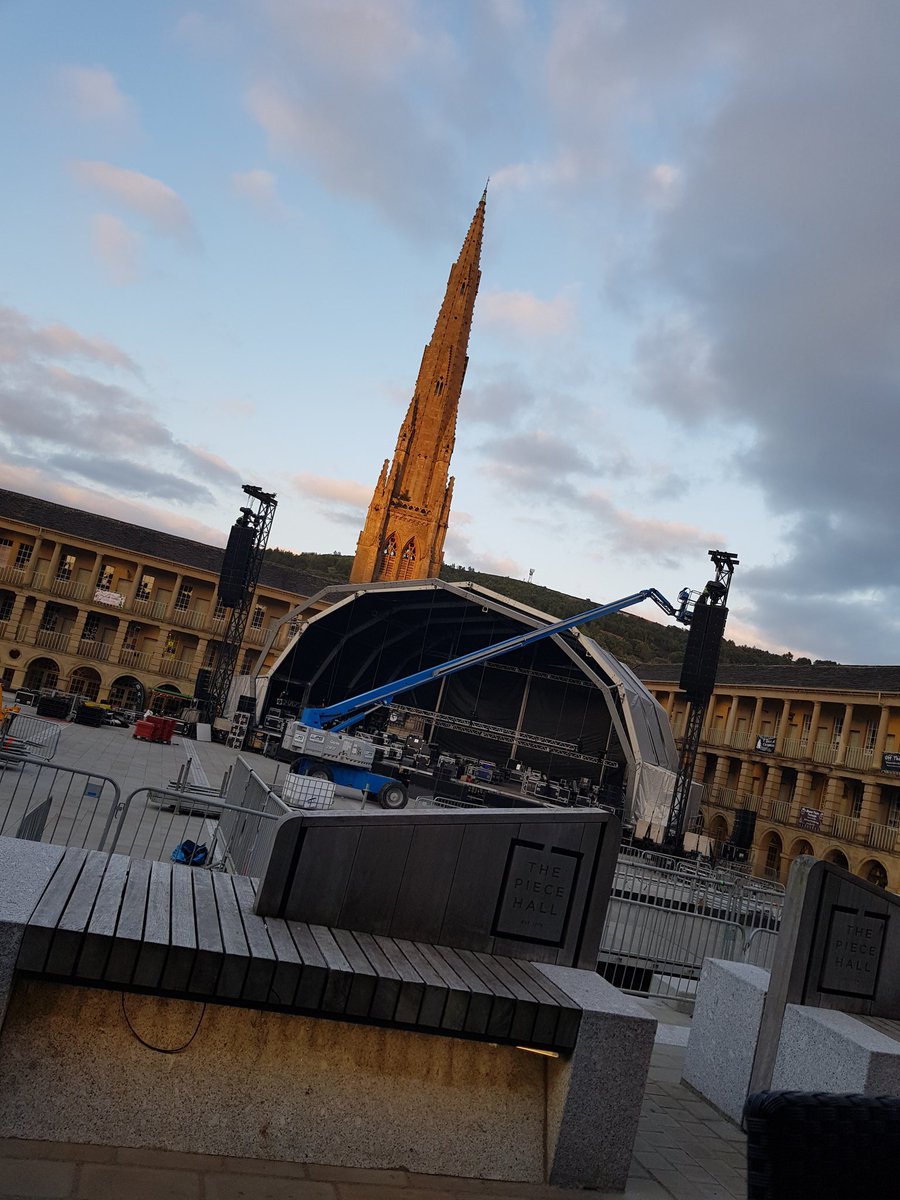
(698, 679)
(237, 584)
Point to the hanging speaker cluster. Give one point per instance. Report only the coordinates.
(236, 565)
(701, 655)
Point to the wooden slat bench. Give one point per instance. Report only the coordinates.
(110, 921)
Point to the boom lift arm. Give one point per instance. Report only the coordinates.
(347, 713)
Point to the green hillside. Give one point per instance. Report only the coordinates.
(630, 638)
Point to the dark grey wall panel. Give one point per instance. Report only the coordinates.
(532, 885)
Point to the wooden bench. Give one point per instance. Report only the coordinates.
(116, 922)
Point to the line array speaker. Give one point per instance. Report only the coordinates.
(701, 654)
(744, 828)
(236, 565)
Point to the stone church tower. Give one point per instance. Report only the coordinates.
(403, 537)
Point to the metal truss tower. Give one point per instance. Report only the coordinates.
(698, 679)
(242, 565)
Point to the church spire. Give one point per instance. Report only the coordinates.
(403, 537)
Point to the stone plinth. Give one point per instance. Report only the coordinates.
(722, 1042)
(827, 1051)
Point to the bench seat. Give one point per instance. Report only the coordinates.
(117, 922)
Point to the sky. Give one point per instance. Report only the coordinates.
(227, 228)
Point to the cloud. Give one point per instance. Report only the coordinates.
(21, 338)
(343, 491)
(342, 501)
(458, 548)
(353, 93)
(93, 95)
(117, 247)
(260, 187)
(526, 315)
(160, 206)
(84, 424)
(32, 481)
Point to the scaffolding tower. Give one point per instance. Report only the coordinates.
(240, 571)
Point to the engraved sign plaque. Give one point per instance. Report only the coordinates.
(536, 893)
(852, 952)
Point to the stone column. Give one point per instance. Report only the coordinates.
(170, 607)
(732, 717)
(15, 615)
(801, 791)
(871, 803)
(813, 726)
(783, 722)
(139, 569)
(845, 734)
(757, 721)
(54, 562)
(833, 794)
(881, 736)
(772, 789)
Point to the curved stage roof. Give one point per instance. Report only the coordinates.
(563, 705)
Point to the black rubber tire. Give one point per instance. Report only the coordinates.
(393, 795)
(319, 773)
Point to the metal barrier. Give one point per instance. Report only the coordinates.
(662, 924)
(63, 805)
(28, 737)
(247, 824)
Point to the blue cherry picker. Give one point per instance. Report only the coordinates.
(324, 751)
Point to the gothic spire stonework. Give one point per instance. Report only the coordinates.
(403, 537)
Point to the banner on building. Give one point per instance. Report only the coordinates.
(766, 743)
(811, 819)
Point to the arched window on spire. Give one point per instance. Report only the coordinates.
(407, 560)
(388, 557)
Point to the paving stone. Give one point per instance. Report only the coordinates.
(219, 1186)
(100, 1181)
(36, 1177)
(67, 1151)
(360, 1175)
(264, 1166)
(169, 1159)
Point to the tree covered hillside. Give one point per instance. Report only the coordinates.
(630, 638)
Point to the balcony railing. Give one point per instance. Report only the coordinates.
(858, 758)
(97, 650)
(190, 618)
(137, 660)
(824, 752)
(255, 637)
(845, 828)
(792, 748)
(780, 811)
(47, 639)
(14, 575)
(741, 740)
(68, 589)
(153, 610)
(881, 837)
(174, 667)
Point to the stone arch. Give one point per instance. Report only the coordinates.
(718, 829)
(41, 673)
(85, 682)
(407, 560)
(771, 849)
(872, 871)
(127, 692)
(801, 846)
(838, 857)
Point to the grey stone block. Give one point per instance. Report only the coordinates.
(25, 868)
(723, 1036)
(827, 1051)
(594, 1096)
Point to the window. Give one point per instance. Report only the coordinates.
(145, 587)
(6, 605)
(293, 626)
(104, 579)
(259, 615)
(856, 807)
(131, 636)
(247, 664)
(91, 625)
(49, 619)
(183, 600)
(219, 610)
(23, 556)
(804, 731)
(65, 568)
(170, 644)
(5, 548)
(871, 735)
(837, 731)
(407, 560)
(893, 813)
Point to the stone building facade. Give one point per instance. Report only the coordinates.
(113, 611)
(799, 760)
(403, 537)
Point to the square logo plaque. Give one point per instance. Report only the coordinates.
(536, 893)
(852, 952)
